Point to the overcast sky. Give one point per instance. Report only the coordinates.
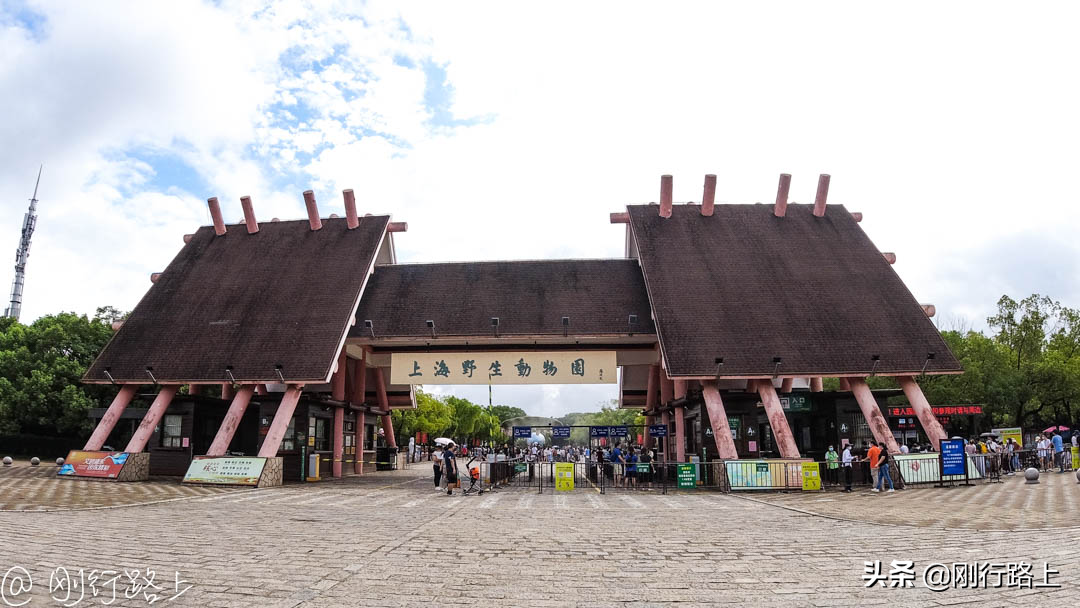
(502, 132)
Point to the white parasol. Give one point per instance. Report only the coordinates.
(443, 441)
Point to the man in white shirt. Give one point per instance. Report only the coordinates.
(847, 458)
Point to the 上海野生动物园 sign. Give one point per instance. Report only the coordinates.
(555, 367)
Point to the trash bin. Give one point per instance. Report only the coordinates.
(385, 459)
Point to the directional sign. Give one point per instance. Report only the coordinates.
(617, 431)
(522, 432)
(658, 430)
(598, 431)
(560, 431)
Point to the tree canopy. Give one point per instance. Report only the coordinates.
(40, 368)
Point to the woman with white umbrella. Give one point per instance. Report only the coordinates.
(437, 462)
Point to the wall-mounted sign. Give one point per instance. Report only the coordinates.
(558, 367)
(795, 403)
(522, 432)
(658, 430)
(617, 431)
(943, 410)
(93, 464)
(598, 431)
(225, 470)
(561, 432)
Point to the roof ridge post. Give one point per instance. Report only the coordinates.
(709, 195)
(780, 208)
(665, 195)
(249, 215)
(312, 210)
(822, 194)
(215, 215)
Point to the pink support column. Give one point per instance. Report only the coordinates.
(874, 418)
(108, 421)
(816, 384)
(280, 424)
(922, 408)
(777, 420)
(215, 215)
(714, 405)
(351, 218)
(384, 404)
(339, 440)
(227, 391)
(665, 418)
(231, 422)
(249, 215)
(312, 210)
(786, 384)
(845, 385)
(260, 389)
(667, 393)
(337, 381)
(152, 418)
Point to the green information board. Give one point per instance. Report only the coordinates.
(762, 467)
(520, 468)
(686, 476)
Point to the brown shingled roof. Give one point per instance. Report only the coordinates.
(747, 286)
(283, 296)
(529, 297)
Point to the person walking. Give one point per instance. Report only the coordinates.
(871, 457)
(450, 468)
(1059, 451)
(832, 466)
(883, 469)
(436, 465)
(847, 458)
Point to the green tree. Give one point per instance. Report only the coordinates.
(506, 412)
(40, 368)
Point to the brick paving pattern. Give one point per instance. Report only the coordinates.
(389, 539)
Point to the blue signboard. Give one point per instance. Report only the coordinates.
(658, 430)
(952, 457)
(522, 432)
(598, 431)
(560, 431)
(617, 431)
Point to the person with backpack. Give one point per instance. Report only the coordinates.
(883, 468)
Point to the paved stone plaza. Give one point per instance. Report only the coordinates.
(389, 540)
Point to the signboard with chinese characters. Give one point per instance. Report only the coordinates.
(93, 464)
(598, 431)
(564, 476)
(1015, 433)
(658, 430)
(617, 431)
(952, 457)
(560, 432)
(522, 432)
(811, 476)
(687, 477)
(795, 403)
(225, 470)
(943, 410)
(569, 367)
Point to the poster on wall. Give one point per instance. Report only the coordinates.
(93, 464)
(225, 470)
(1015, 433)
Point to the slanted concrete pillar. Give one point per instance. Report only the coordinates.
(280, 424)
(874, 418)
(922, 408)
(152, 417)
(714, 405)
(231, 422)
(108, 421)
(777, 420)
(384, 404)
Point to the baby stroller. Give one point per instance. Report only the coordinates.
(474, 479)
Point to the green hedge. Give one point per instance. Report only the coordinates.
(45, 448)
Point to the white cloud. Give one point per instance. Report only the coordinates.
(950, 126)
